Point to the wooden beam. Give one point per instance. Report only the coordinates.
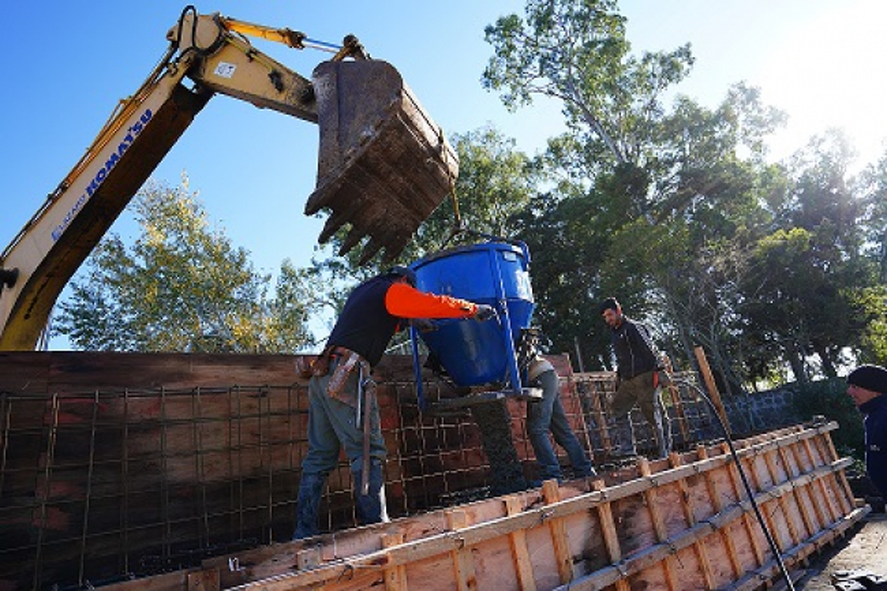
(711, 386)
(204, 580)
(463, 562)
(395, 576)
(689, 514)
(611, 537)
(519, 550)
(551, 495)
(658, 523)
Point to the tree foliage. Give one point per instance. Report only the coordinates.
(777, 269)
(182, 286)
(576, 51)
(677, 211)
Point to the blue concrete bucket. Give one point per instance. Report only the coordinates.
(493, 273)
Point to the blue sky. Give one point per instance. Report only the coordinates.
(68, 63)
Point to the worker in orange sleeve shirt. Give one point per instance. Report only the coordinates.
(342, 411)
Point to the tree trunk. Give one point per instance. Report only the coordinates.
(828, 366)
(796, 362)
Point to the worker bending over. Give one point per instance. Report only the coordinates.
(342, 411)
(546, 415)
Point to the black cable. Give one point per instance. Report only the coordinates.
(190, 8)
(751, 497)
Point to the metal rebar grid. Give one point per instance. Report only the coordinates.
(102, 485)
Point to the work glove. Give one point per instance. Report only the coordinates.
(485, 312)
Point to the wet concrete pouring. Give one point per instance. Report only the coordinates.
(506, 474)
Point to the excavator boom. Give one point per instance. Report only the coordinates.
(383, 166)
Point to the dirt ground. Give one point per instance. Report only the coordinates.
(864, 548)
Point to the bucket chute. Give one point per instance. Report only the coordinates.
(479, 354)
(383, 164)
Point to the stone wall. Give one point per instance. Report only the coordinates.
(762, 411)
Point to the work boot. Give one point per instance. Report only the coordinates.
(308, 506)
(371, 506)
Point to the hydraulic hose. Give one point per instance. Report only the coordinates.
(751, 497)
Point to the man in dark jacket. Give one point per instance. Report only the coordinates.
(342, 408)
(867, 385)
(637, 374)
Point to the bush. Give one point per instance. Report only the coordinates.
(829, 398)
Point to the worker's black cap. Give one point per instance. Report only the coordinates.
(406, 272)
(870, 377)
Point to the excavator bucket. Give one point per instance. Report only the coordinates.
(384, 165)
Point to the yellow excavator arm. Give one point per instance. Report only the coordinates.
(383, 166)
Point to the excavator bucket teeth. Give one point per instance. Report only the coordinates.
(384, 165)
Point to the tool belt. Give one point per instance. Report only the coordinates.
(348, 362)
(319, 366)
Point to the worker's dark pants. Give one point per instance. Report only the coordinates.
(547, 415)
(332, 425)
(640, 391)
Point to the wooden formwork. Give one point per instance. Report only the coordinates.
(129, 465)
(685, 522)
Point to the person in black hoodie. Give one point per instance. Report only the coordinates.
(867, 385)
(342, 408)
(638, 375)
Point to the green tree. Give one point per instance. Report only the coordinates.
(873, 231)
(182, 286)
(576, 51)
(496, 183)
(811, 286)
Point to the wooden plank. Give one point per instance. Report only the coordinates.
(520, 552)
(690, 516)
(758, 481)
(770, 571)
(807, 496)
(823, 494)
(800, 494)
(396, 576)
(658, 523)
(177, 581)
(657, 553)
(712, 386)
(786, 506)
(834, 488)
(754, 537)
(463, 562)
(842, 478)
(551, 495)
(717, 503)
(204, 580)
(474, 534)
(611, 537)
